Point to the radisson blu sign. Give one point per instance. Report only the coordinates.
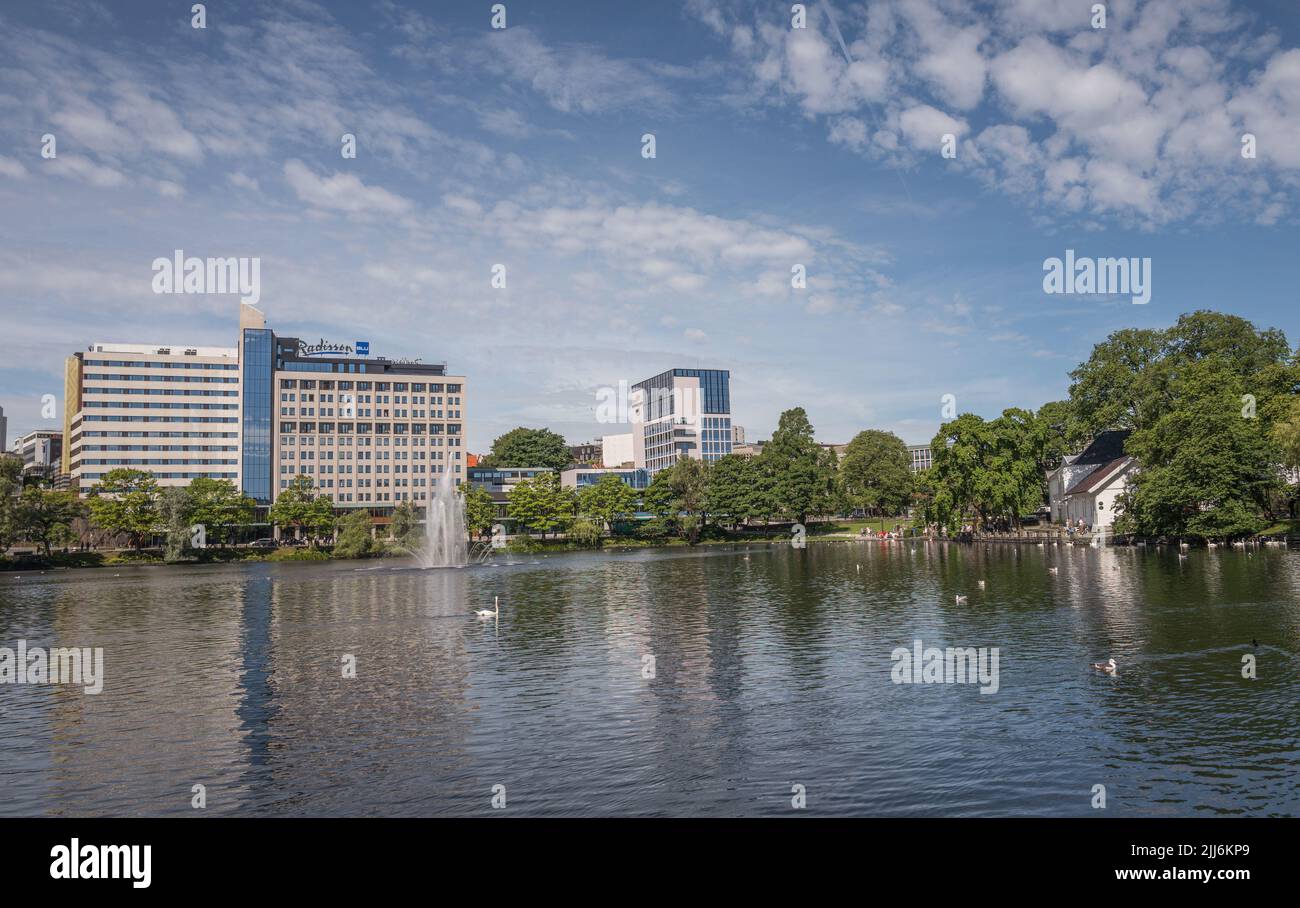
(326, 348)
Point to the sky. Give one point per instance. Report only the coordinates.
(774, 147)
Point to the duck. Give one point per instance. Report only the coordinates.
(960, 599)
(1052, 570)
(493, 612)
(1108, 666)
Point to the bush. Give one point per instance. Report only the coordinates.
(291, 554)
(587, 534)
(654, 528)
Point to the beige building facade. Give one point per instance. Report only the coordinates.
(171, 411)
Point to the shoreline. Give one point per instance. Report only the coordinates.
(99, 560)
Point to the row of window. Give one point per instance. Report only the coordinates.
(93, 477)
(169, 392)
(160, 448)
(89, 418)
(312, 384)
(353, 412)
(207, 379)
(365, 428)
(125, 405)
(161, 435)
(362, 441)
(135, 462)
(153, 364)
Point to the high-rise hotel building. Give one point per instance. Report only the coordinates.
(370, 432)
(172, 411)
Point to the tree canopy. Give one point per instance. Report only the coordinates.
(523, 447)
(876, 472)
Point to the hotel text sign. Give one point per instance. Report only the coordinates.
(325, 348)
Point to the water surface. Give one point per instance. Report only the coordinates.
(771, 668)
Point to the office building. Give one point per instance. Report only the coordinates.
(41, 451)
(920, 455)
(680, 413)
(617, 451)
(581, 477)
(589, 453)
(4, 429)
(499, 481)
(371, 432)
(168, 410)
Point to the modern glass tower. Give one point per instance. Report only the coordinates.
(681, 413)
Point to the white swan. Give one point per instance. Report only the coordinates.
(981, 583)
(1052, 570)
(1108, 666)
(493, 612)
(960, 599)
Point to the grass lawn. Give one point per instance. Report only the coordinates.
(1282, 528)
(853, 527)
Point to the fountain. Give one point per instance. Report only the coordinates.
(445, 542)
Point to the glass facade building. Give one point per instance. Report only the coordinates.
(255, 417)
(682, 413)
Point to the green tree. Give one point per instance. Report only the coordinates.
(1205, 470)
(298, 506)
(480, 509)
(219, 506)
(405, 527)
(793, 460)
(876, 472)
(1286, 435)
(607, 500)
(45, 517)
(587, 532)
(987, 469)
(176, 514)
(958, 455)
(354, 539)
(1227, 387)
(11, 481)
(1128, 381)
(523, 447)
(541, 503)
(1013, 483)
(125, 501)
(678, 495)
(733, 489)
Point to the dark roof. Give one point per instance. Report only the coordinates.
(1104, 448)
(1097, 478)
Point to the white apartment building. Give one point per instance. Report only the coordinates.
(680, 413)
(170, 410)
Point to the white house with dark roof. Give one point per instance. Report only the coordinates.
(1087, 485)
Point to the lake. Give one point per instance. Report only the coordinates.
(715, 681)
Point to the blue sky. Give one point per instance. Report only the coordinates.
(522, 147)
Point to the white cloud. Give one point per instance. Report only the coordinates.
(12, 168)
(341, 192)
